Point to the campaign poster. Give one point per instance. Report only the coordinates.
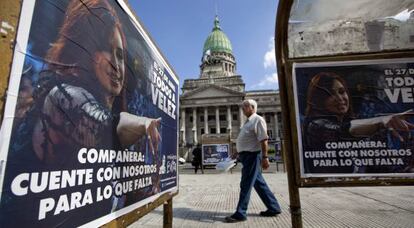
(355, 118)
(214, 153)
(90, 127)
(278, 152)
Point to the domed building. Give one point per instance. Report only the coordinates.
(218, 59)
(210, 104)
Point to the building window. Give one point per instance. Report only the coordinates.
(270, 134)
(202, 131)
(279, 117)
(191, 118)
(222, 117)
(235, 116)
(213, 130)
(223, 130)
(267, 117)
(201, 118)
(211, 117)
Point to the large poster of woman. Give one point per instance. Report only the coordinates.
(90, 128)
(355, 118)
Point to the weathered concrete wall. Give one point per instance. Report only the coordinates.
(349, 36)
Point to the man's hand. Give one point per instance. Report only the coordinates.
(265, 163)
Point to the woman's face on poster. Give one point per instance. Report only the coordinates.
(338, 101)
(110, 66)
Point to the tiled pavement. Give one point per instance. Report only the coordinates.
(204, 201)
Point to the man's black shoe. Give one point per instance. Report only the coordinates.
(269, 213)
(232, 219)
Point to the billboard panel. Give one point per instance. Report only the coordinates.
(355, 118)
(90, 127)
(214, 153)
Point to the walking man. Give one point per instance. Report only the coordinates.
(252, 151)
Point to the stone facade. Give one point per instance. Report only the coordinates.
(211, 103)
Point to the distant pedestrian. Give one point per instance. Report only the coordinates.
(196, 158)
(252, 151)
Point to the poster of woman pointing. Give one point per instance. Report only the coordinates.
(355, 118)
(90, 128)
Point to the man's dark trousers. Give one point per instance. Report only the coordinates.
(252, 177)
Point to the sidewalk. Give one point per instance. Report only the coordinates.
(204, 201)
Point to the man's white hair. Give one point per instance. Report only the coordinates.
(251, 102)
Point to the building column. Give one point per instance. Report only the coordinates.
(241, 117)
(206, 120)
(277, 137)
(229, 119)
(183, 125)
(195, 125)
(217, 120)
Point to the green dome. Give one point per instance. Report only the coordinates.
(217, 41)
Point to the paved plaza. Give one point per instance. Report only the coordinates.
(205, 199)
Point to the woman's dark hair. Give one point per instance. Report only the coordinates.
(319, 90)
(88, 27)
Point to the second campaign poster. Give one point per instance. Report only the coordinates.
(90, 128)
(355, 118)
(214, 153)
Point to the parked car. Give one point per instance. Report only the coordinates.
(181, 161)
(272, 158)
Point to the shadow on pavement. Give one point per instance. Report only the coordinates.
(197, 215)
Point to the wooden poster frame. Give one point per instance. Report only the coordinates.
(290, 139)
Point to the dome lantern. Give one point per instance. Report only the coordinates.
(217, 41)
(217, 59)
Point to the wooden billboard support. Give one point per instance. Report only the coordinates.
(9, 19)
(168, 213)
(166, 200)
(288, 155)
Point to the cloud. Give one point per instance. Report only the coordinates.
(269, 57)
(403, 15)
(270, 81)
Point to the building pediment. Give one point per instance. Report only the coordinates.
(211, 91)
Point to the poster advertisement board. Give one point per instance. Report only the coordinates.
(355, 118)
(278, 152)
(90, 125)
(214, 153)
